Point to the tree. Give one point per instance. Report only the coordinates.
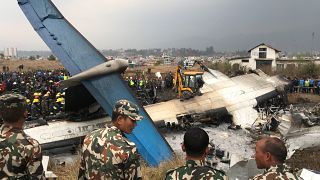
(157, 63)
(1, 55)
(51, 58)
(32, 58)
(223, 67)
(309, 70)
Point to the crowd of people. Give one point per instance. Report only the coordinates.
(45, 98)
(147, 88)
(137, 82)
(41, 88)
(305, 85)
(108, 154)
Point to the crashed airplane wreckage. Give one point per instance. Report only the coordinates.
(247, 91)
(221, 96)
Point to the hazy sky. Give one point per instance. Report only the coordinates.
(225, 24)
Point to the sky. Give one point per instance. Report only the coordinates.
(227, 25)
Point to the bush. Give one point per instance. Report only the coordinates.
(32, 58)
(303, 70)
(51, 58)
(158, 63)
(223, 67)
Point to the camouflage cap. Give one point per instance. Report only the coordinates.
(127, 108)
(12, 101)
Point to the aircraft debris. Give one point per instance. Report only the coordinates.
(216, 155)
(48, 174)
(309, 175)
(297, 125)
(244, 170)
(238, 146)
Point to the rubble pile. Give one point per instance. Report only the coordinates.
(229, 145)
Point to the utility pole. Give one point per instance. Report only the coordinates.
(312, 50)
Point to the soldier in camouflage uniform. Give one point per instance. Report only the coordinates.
(270, 155)
(195, 144)
(20, 155)
(106, 153)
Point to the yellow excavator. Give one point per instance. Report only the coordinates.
(187, 83)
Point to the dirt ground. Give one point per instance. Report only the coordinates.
(49, 65)
(300, 98)
(308, 158)
(30, 65)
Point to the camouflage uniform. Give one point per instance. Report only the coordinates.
(107, 154)
(195, 169)
(20, 155)
(277, 172)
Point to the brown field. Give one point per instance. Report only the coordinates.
(50, 65)
(30, 64)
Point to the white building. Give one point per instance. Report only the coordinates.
(268, 59)
(263, 57)
(10, 53)
(189, 62)
(166, 59)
